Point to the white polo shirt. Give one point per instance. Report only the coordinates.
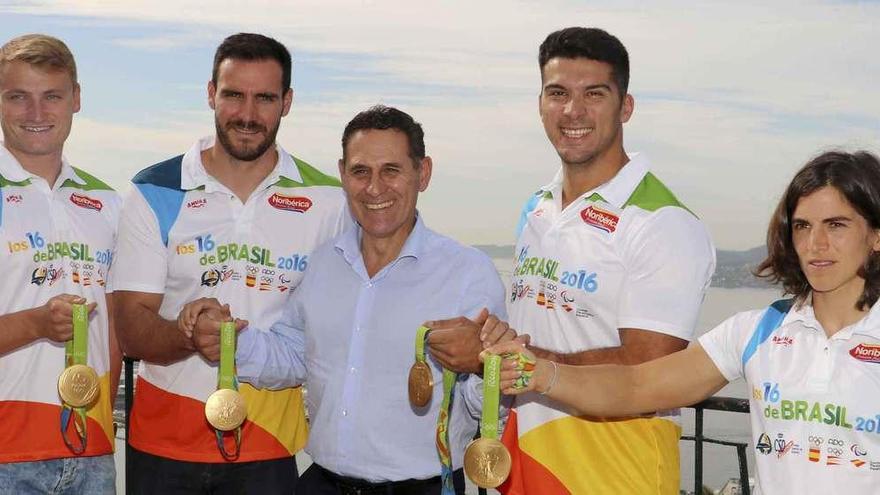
(627, 254)
(185, 235)
(815, 401)
(54, 241)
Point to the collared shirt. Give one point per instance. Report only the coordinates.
(185, 235)
(626, 254)
(352, 339)
(814, 399)
(55, 240)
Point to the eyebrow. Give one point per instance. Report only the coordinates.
(839, 218)
(592, 86)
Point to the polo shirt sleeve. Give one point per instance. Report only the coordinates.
(669, 260)
(484, 289)
(726, 343)
(275, 359)
(140, 263)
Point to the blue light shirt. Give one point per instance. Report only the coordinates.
(350, 338)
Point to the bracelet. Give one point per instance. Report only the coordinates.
(552, 380)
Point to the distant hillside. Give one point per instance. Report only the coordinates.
(733, 268)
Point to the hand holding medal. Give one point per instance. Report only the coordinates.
(78, 385)
(487, 461)
(225, 409)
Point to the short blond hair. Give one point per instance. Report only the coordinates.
(40, 50)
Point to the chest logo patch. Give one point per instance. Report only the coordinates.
(299, 204)
(197, 203)
(13, 198)
(86, 202)
(869, 353)
(599, 218)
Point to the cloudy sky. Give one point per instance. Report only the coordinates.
(731, 97)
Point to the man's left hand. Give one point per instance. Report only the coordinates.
(457, 342)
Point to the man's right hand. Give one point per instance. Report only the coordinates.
(189, 314)
(55, 318)
(206, 332)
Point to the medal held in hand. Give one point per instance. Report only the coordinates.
(421, 380)
(225, 409)
(486, 460)
(78, 385)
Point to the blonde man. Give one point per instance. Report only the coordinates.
(58, 226)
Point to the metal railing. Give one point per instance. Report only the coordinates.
(726, 404)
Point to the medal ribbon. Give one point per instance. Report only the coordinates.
(442, 433)
(491, 393)
(76, 352)
(226, 379)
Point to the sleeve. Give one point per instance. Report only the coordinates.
(275, 358)
(726, 343)
(114, 223)
(140, 263)
(483, 290)
(669, 262)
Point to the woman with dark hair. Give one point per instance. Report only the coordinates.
(812, 362)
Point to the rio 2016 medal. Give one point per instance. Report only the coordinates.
(225, 409)
(78, 385)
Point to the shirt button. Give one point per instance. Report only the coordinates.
(345, 412)
(352, 369)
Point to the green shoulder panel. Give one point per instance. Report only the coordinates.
(311, 176)
(651, 195)
(4, 182)
(90, 182)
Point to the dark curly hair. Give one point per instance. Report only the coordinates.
(857, 177)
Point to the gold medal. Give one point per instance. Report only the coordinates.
(78, 385)
(225, 409)
(487, 462)
(421, 384)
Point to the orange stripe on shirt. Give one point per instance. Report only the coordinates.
(32, 432)
(527, 476)
(174, 426)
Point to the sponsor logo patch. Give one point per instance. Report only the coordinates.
(784, 341)
(599, 218)
(299, 204)
(869, 353)
(197, 203)
(13, 198)
(86, 202)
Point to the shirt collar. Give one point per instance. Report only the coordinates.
(617, 190)
(193, 174)
(11, 169)
(869, 325)
(349, 243)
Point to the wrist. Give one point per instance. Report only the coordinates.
(549, 373)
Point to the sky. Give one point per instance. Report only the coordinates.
(731, 97)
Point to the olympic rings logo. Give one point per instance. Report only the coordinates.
(834, 451)
(835, 441)
(816, 440)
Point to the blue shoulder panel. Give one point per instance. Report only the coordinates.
(769, 323)
(160, 186)
(528, 208)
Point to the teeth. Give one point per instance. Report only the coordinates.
(246, 130)
(575, 133)
(37, 129)
(378, 206)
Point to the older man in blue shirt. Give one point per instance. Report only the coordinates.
(349, 328)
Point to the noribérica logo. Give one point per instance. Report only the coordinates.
(299, 204)
(599, 218)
